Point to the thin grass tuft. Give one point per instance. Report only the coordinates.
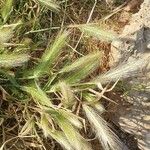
(106, 137)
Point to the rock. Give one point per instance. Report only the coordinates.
(134, 43)
(135, 117)
(134, 38)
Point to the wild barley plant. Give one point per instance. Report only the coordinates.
(52, 97)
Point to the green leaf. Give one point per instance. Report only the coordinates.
(6, 9)
(70, 132)
(81, 68)
(46, 124)
(38, 95)
(97, 32)
(51, 4)
(59, 136)
(13, 60)
(81, 62)
(51, 55)
(73, 119)
(67, 125)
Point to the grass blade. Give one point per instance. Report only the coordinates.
(67, 125)
(129, 69)
(61, 139)
(107, 138)
(6, 32)
(28, 127)
(73, 119)
(6, 9)
(57, 135)
(38, 95)
(71, 133)
(81, 68)
(97, 32)
(94, 102)
(51, 4)
(13, 60)
(67, 95)
(51, 55)
(81, 62)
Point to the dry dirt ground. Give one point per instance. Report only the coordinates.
(134, 111)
